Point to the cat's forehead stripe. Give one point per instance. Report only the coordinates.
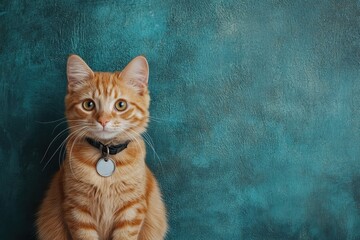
(106, 85)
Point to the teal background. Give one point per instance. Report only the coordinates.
(255, 105)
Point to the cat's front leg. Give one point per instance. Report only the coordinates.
(80, 223)
(129, 220)
(127, 230)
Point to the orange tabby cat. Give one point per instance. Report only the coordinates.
(89, 201)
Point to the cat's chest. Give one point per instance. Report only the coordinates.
(104, 204)
(108, 199)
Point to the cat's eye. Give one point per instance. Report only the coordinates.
(88, 105)
(121, 105)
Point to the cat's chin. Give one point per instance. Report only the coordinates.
(105, 135)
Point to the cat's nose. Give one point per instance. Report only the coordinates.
(103, 121)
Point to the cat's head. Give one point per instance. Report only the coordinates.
(107, 106)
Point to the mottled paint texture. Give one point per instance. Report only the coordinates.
(255, 105)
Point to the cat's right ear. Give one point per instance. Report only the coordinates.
(77, 71)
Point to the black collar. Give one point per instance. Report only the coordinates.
(105, 149)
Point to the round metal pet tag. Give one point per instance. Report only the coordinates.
(105, 167)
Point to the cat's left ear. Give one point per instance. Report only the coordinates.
(136, 74)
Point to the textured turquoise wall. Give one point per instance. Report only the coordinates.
(256, 108)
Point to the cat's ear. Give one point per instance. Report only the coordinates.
(77, 71)
(136, 74)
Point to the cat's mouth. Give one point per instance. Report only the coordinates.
(105, 130)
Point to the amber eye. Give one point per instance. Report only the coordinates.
(88, 104)
(121, 105)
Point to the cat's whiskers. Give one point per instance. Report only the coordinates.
(151, 143)
(157, 119)
(151, 146)
(144, 137)
(81, 134)
(148, 137)
(154, 120)
(54, 121)
(58, 135)
(62, 151)
(135, 139)
(62, 144)
(132, 138)
(67, 121)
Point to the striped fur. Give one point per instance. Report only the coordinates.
(80, 204)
